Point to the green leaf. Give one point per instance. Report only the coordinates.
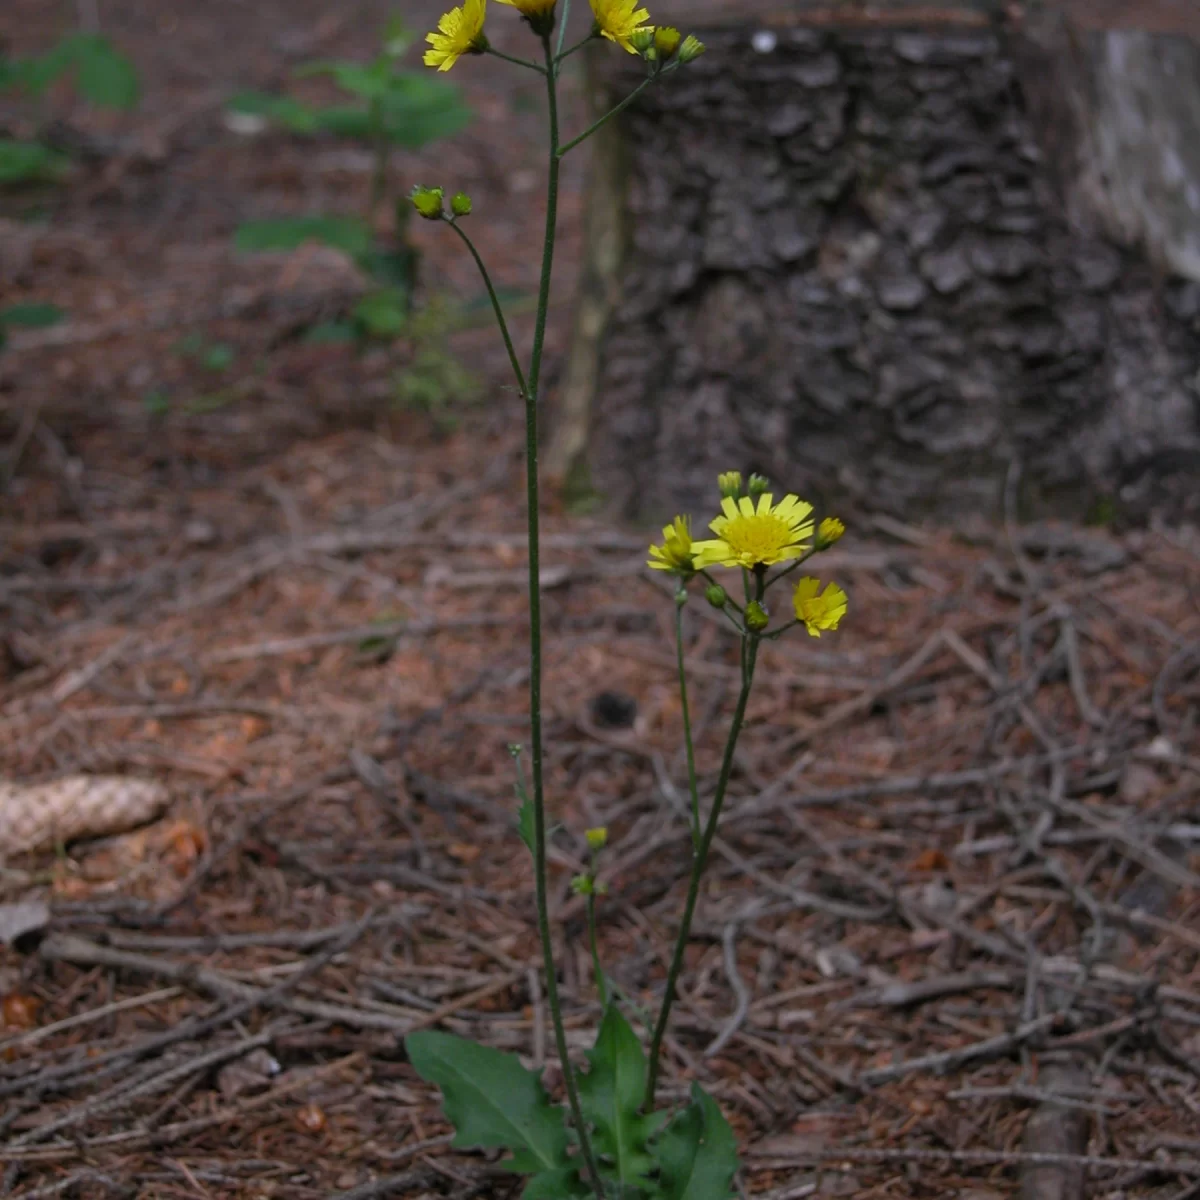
(106, 77)
(525, 826)
(347, 234)
(31, 316)
(331, 333)
(697, 1153)
(612, 1094)
(370, 82)
(564, 1183)
(279, 110)
(382, 314)
(217, 357)
(28, 162)
(34, 75)
(493, 1101)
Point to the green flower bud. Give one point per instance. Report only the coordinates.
(681, 597)
(716, 595)
(642, 40)
(583, 885)
(730, 483)
(757, 484)
(692, 48)
(828, 532)
(460, 204)
(756, 617)
(428, 202)
(666, 41)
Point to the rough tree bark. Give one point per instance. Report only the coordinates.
(886, 252)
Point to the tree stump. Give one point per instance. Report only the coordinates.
(894, 255)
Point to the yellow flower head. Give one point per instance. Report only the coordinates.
(756, 537)
(617, 19)
(822, 611)
(730, 483)
(597, 838)
(675, 554)
(828, 532)
(666, 41)
(460, 31)
(539, 13)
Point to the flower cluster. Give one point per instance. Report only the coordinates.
(623, 22)
(754, 532)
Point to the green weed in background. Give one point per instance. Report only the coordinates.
(387, 107)
(99, 73)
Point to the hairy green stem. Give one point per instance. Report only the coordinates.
(563, 55)
(608, 116)
(699, 861)
(693, 788)
(491, 291)
(564, 15)
(597, 970)
(535, 631)
(512, 58)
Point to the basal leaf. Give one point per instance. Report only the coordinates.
(563, 1184)
(612, 1094)
(697, 1153)
(348, 234)
(492, 1100)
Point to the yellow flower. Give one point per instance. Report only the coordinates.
(597, 838)
(675, 554)
(822, 611)
(666, 41)
(828, 532)
(753, 537)
(539, 13)
(617, 19)
(460, 31)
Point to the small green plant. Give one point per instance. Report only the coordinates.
(387, 107)
(99, 73)
(609, 1140)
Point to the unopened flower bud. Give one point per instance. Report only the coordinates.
(597, 838)
(583, 885)
(681, 597)
(428, 202)
(756, 617)
(642, 40)
(828, 532)
(716, 595)
(691, 48)
(757, 484)
(460, 204)
(730, 483)
(666, 41)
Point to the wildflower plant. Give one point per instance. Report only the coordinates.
(609, 1140)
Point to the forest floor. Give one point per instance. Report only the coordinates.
(958, 873)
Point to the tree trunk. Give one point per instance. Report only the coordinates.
(882, 254)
